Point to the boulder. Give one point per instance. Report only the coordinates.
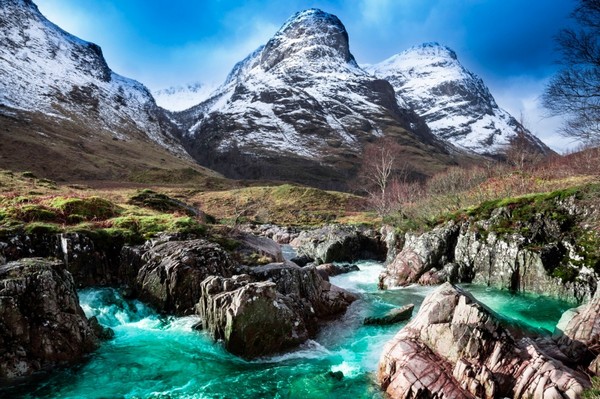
(578, 333)
(274, 308)
(312, 295)
(251, 318)
(41, 322)
(327, 270)
(455, 347)
(172, 272)
(420, 254)
(392, 317)
(253, 249)
(339, 243)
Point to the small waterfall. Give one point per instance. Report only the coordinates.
(64, 245)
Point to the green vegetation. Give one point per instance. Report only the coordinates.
(101, 218)
(159, 202)
(285, 205)
(594, 391)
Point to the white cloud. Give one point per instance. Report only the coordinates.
(521, 95)
(376, 11)
(210, 61)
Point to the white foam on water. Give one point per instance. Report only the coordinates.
(364, 280)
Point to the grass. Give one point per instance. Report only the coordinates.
(132, 214)
(284, 205)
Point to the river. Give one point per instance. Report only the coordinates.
(153, 356)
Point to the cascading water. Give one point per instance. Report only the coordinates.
(162, 357)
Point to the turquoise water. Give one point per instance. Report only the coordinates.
(157, 357)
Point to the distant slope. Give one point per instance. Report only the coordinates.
(180, 98)
(60, 102)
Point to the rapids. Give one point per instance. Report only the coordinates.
(153, 356)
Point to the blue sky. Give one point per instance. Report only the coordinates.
(509, 43)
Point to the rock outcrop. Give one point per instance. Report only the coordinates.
(419, 255)
(578, 334)
(337, 243)
(41, 322)
(327, 270)
(532, 245)
(456, 348)
(172, 272)
(276, 307)
(251, 318)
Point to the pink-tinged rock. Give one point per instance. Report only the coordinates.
(456, 348)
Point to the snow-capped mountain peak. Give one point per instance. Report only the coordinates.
(300, 97)
(456, 103)
(45, 69)
(311, 35)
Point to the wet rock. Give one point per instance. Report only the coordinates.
(302, 260)
(252, 318)
(327, 270)
(419, 255)
(335, 375)
(455, 347)
(41, 322)
(338, 243)
(276, 307)
(172, 272)
(392, 317)
(578, 333)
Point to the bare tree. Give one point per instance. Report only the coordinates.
(380, 160)
(575, 90)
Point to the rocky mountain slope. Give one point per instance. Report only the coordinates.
(59, 101)
(456, 103)
(300, 108)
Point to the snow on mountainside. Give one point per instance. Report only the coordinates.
(179, 98)
(456, 104)
(301, 96)
(45, 69)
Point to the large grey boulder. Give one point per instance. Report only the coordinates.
(252, 249)
(274, 308)
(41, 322)
(251, 318)
(172, 271)
(339, 243)
(457, 348)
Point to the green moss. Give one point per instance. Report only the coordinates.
(42, 228)
(92, 208)
(149, 226)
(32, 213)
(159, 202)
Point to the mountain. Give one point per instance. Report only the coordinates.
(65, 113)
(456, 104)
(300, 108)
(179, 98)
